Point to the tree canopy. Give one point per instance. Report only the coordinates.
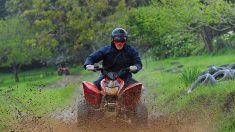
(17, 46)
(69, 30)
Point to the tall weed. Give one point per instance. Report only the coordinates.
(189, 75)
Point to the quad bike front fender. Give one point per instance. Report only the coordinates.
(91, 93)
(131, 96)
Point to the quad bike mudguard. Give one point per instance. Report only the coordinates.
(91, 93)
(131, 96)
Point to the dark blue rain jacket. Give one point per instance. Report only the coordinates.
(115, 60)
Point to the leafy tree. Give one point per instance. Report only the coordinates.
(144, 24)
(165, 19)
(78, 26)
(3, 11)
(208, 18)
(17, 45)
(16, 7)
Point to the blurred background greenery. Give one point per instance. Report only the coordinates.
(38, 35)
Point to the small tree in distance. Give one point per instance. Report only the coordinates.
(18, 46)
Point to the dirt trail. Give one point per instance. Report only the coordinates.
(159, 124)
(64, 120)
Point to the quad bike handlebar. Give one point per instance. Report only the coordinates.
(112, 75)
(98, 68)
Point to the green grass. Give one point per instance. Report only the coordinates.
(189, 75)
(170, 90)
(28, 97)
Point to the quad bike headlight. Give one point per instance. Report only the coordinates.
(111, 91)
(111, 87)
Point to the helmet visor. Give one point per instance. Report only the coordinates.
(119, 41)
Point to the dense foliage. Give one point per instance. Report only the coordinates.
(72, 29)
(16, 45)
(179, 27)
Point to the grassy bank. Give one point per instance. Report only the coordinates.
(30, 97)
(164, 83)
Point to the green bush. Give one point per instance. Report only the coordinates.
(177, 45)
(188, 76)
(224, 43)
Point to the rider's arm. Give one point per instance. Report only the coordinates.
(96, 56)
(136, 60)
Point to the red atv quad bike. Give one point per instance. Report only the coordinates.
(114, 101)
(63, 71)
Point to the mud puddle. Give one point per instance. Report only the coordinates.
(65, 120)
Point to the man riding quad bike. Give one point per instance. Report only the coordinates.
(115, 93)
(63, 69)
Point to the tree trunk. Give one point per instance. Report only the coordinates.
(16, 72)
(209, 33)
(207, 36)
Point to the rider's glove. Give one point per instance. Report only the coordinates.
(90, 67)
(133, 68)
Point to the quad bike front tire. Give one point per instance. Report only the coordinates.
(59, 73)
(141, 115)
(84, 114)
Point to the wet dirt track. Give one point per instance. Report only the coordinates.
(64, 120)
(160, 124)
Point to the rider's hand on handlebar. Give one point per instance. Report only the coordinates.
(90, 67)
(133, 68)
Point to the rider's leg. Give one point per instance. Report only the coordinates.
(97, 82)
(129, 81)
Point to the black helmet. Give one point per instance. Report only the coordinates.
(119, 33)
